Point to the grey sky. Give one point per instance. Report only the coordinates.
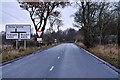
(13, 14)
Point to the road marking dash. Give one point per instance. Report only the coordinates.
(51, 68)
(58, 57)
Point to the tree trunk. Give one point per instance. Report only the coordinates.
(118, 32)
(100, 40)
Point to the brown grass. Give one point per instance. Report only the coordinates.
(13, 54)
(109, 53)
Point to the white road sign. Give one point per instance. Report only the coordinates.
(18, 31)
(39, 39)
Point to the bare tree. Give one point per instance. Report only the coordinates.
(53, 19)
(117, 12)
(86, 17)
(40, 11)
(59, 24)
(104, 18)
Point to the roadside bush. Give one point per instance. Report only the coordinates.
(31, 43)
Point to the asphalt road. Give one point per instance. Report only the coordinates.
(62, 61)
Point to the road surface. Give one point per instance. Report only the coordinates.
(62, 61)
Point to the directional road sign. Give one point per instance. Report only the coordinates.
(18, 31)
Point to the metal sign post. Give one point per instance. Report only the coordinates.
(39, 33)
(16, 44)
(39, 40)
(25, 44)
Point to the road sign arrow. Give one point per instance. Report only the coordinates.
(39, 33)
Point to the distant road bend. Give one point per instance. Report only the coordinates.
(62, 61)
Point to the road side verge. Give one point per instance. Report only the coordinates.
(100, 56)
(11, 56)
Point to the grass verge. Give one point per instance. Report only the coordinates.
(13, 54)
(108, 53)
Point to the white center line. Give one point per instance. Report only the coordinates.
(51, 68)
(58, 57)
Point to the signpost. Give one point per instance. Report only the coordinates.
(39, 33)
(39, 39)
(55, 40)
(18, 32)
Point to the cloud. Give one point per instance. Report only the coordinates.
(13, 14)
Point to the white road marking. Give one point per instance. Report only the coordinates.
(51, 68)
(58, 57)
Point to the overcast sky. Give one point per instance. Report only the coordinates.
(11, 13)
